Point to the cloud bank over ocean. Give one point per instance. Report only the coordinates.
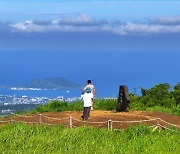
(84, 23)
(90, 25)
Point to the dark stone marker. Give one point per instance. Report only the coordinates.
(123, 99)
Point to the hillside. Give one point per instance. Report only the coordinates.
(45, 138)
(54, 118)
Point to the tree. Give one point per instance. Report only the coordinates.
(157, 96)
(176, 94)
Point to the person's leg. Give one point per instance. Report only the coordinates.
(85, 113)
(92, 105)
(88, 111)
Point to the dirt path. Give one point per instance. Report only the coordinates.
(101, 117)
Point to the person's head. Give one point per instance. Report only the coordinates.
(89, 81)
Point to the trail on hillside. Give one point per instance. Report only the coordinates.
(97, 118)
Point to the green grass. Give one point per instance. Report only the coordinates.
(21, 138)
(174, 110)
(105, 104)
(101, 104)
(58, 106)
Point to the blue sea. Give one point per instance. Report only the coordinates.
(53, 93)
(41, 93)
(107, 70)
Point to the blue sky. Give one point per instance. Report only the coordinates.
(136, 38)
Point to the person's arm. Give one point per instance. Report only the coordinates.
(84, 89)
(94, 91)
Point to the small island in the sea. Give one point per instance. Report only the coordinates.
(48, 84)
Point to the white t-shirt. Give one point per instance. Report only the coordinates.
(87, 98)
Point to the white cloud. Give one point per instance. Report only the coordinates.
(30, 26)
(144, 29)
(83, 23)
(79, 19)
(168, 20)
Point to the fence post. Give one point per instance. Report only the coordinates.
(158, 126)
(110, 124)
(40, 118)
(70, 122)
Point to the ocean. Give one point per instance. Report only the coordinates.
(107, 70)
(41, 93)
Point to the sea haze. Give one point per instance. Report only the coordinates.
(107, 70)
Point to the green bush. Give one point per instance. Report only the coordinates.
(157, 96)
(76, 106)
(56, 106)
(176, 94)
(135, 103)
(53, 106)
(105, 104)
(161, 97)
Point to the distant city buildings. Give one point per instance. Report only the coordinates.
(6, 99)
(9, 103)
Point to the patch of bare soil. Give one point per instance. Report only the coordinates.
(99, 118)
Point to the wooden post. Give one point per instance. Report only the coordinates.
(158, 126)
(110, 124)
(40, 118)
(70, 122)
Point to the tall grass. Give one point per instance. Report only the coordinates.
(105, 104)
(56, 106)
(21, 138)
(101, 104)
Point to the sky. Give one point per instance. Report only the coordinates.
(113, 42)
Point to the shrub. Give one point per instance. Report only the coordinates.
(53, 106)
(76, 106)
(105, 104)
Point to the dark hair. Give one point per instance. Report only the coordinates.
(89, 81)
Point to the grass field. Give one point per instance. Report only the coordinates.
(21, 138)
(28, 139)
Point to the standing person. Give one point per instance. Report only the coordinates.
(87, 98)
(93, 91)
